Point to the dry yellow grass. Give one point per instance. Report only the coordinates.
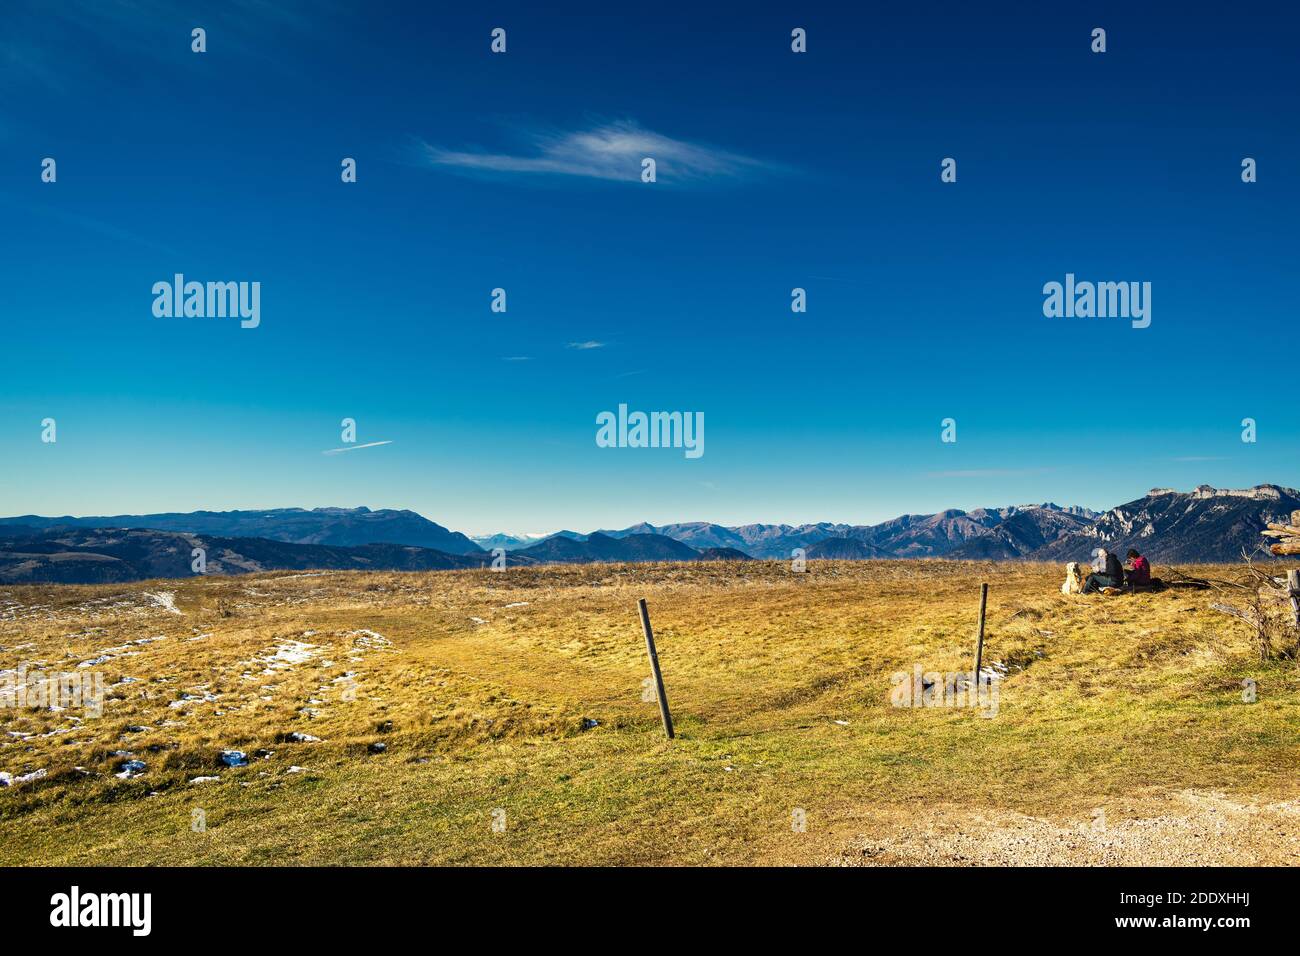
(479, 685)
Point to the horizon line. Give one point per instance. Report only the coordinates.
(14, 519)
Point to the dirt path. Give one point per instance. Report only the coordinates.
(1190, 828)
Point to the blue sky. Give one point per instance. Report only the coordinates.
(522, 171)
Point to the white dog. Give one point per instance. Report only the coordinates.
(1073, 579)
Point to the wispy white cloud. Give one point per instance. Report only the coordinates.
(371, 444)
(516, 358)
(59, 47)
(584, 346)
(89, 223)
(608, 151)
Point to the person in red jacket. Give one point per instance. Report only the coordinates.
(1139, 571)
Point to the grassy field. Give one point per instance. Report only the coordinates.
(1121, 732)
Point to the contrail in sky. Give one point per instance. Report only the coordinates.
(372, 444)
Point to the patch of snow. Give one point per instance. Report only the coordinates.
(8, 779)
(187, 698)
(285, 655)
(368, 638)
(165, 600)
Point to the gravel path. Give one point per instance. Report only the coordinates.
(1190, 828)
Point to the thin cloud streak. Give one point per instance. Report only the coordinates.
(373, 444)
(612, 151)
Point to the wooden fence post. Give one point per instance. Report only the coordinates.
(654, 666)
(979, 640)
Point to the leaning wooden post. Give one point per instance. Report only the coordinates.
(1293, 589)
(654, 666)
(979, 640)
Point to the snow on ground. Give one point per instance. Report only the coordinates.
(368, 638)
(186, 699)
(165, 600)
(8, 779)
(285, 655)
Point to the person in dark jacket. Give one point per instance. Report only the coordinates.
(1139, 572)
(1111, 577)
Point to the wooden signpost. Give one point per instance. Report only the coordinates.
(654, 667)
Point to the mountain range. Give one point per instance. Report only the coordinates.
(1204, 525)
(340, 527)
(66, 555)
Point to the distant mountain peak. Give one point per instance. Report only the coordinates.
(1264, 492)
(1258, 492)
(1204, 524)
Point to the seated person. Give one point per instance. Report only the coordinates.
(1111, 577)
(1139, 572)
